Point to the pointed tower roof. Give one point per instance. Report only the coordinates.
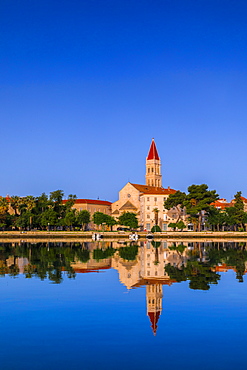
(154, 317)
(153, 152)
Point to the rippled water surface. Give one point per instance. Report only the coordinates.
(115, 305)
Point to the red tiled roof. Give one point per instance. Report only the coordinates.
(153, 189)
(221, 205)
(153, 153)
(90, 201)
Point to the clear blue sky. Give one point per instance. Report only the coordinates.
(86, 84)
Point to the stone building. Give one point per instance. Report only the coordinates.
(92, 206)
(147, 201)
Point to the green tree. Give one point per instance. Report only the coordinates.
(69, 219)
(156, 216)
(99, 218)
(239, 209)
(110, 221)
(199, 199)
(128, 253)
(83, 218)
(70, 202)
(180, 225)
(176, 201)
(128, 219)
(156, 229)
(216, 218)
(57, 196)
(49, 217)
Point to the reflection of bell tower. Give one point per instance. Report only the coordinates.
(153, 167)
(154, 296)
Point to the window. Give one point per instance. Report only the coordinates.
(148, 170)
(147, 199)
(155, 199)
(165, 217)
(148, 208)
(152, 169)
(165, 227)
(148, 216)
(148, 226)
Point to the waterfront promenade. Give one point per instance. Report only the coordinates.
(72, 236)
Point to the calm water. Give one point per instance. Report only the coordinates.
(121, 306)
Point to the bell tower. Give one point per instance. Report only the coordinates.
(153, 167)
(154, 304)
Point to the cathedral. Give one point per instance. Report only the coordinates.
(147, 201)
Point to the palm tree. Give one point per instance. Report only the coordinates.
(156, 215)
(30, 204)
(15, 203)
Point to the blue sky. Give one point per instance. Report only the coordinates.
(85, 85)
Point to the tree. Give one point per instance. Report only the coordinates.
(15, 202)
(30, 204)
(216, 218)
(199, 199)
(156, 229)
(156, 216)
(23, 221)
(70, 202)
(49, 217)
(181, 225)
(176, 200)
(239, 209)
(69, 219)
(173, 225)
(128, 253)
(83, 218)
(99, 218)
(110, 221)
(57, 196)
(128, 219)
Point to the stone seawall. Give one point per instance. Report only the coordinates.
(71, 236)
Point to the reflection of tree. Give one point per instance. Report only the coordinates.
(129, 253)
(46, 260)
(199, 274)
(100, 254)
(231, 254)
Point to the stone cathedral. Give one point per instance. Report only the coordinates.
(144, 199)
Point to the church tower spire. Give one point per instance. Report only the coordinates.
(153, 167)
(154, 304)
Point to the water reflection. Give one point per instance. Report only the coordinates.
(151, 264)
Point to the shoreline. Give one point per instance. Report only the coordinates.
(77, 236)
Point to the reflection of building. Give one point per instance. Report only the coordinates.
(154, 296)
(148, 270)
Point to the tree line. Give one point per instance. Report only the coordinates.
(51, 213)
(198, 205)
